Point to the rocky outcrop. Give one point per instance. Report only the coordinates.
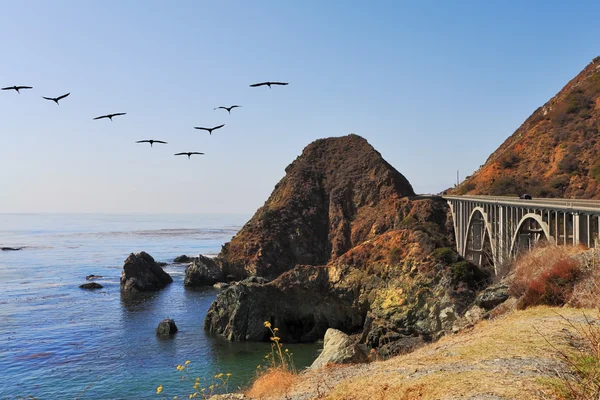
(11, 248)
(166, 327)
(339, 348)
(338, 193)
(91, 285)
(142, 274)
(203, 272)
(493, 296)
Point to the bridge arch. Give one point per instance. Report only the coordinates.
(486, 234)
(526, 218)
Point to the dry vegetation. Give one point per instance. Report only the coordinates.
(537, 352)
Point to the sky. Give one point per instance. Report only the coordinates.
(434, 86)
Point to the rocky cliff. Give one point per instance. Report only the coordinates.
(351, 248)
(555, 153)
(338, 193)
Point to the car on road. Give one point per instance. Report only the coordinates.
(525, 196)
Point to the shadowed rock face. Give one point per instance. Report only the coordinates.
(335, 195)
(142, 274)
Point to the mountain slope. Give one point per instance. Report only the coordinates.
(555, 153)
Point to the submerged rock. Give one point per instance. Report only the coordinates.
(142, 274)
(183, 259)
(166, 327)
(339, 348)
(91, 285)
(11, 248)
(221, 285)
(91, 277)
(203, 272)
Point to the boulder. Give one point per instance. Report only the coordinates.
(183, 259)
(166, 327)
(339, 348)
(91, 277)
(221, 285)
(493, 296)
(91, 285)
(256, 279)
(142, 274)
(203, 272)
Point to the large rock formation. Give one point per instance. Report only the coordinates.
(142, 274)
(337, 194)
(382, 263)
(555, 153)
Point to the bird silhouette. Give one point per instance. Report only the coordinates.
(228, 108)
(269, 84)
(110, 116)
(151, 141)
(209, 129)
(17, 88)
(189, 154)
(56, 99)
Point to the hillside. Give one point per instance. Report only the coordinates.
(512, 357)
(555, 153)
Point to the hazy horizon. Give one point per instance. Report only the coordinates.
(434, 87)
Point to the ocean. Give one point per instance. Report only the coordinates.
(58, 341)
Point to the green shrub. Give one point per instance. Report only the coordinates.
(444, 254)
(394, 256)
(464, 271)
(509, 160)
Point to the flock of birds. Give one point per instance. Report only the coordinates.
(152, 141)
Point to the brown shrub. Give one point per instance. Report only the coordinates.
(546, 275)
(275, 383)
(585, 292)
(553, 287)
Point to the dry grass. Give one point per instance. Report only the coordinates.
(510, 358)
(585, 292)
(273, 384)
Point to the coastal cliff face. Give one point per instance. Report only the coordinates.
(555, 153)
(351, 248)
(338, 193)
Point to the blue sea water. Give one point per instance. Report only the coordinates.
(59, 342)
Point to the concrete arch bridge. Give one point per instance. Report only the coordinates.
(491, 230)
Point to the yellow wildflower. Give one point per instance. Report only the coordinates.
(187, 362)
(219, 375)
(228, 374)
(275, 329)
(267, 324)
(159, 389)
(211, 387)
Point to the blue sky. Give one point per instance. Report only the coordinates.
(434, 86)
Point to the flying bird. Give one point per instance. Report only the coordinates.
(110, 116)
(151, 141)
(17, 88)
(56, 99)
(269, 84)
(228, 108)
(209, 129)
(189, 154)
